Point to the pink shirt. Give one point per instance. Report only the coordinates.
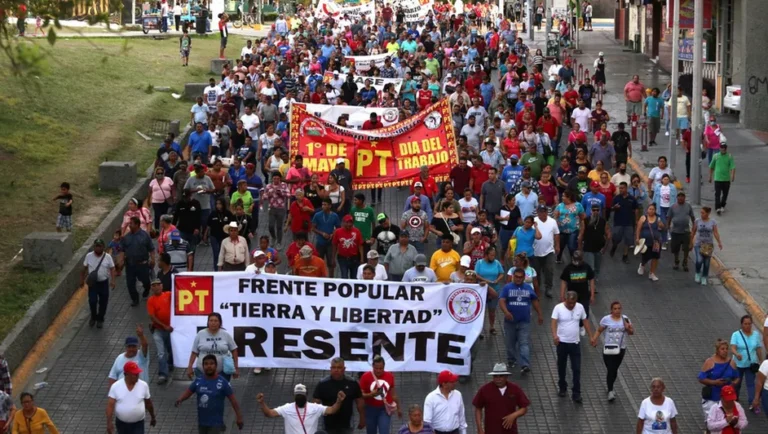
(634, 91)
(161, 192)
(712, 136)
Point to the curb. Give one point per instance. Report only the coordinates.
(734, 287)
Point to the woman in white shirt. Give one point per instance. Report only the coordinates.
(468, 206)
(616, 327)
(657, 413)
(658, 172)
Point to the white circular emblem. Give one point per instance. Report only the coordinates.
(390, 115)
(414, 221)
(433, 120)
(464, 305)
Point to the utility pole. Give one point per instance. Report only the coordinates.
(577, 29)
(675, 81)
(547, 17)
(696, 120)
(529, 19)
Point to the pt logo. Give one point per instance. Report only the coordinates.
(193, 295)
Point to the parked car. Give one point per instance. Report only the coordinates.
(732, 100)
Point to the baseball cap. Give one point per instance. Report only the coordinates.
(420, 259)
(156, 281)
(595, 206)
(513, 157)
(131, 341)
(305, 252)
(132, 368)
(447, 377)
(381, 217)
(418, 184)
(465, 261)
(594, 184)
(339, 161)
(347, 218)
(98, 242)
(526, 184)
(542, 208)
(475, 231)
(601, 54)
(583, 169)
(405, 234)
(258, 253)
(250, 166)
(415, 198)
(728, 393)
(373, 254)
(175, 235)
(299, 389)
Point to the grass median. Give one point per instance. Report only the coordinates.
(60, 125)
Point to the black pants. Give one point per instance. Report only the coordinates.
(159, 209)
(177, 21)
(98, 297)
(687, 164)
(721, 193)
(21, 24)
(612, 364)
(134, 272)
(564, 352)
(681, 242)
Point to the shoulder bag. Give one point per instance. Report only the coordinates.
(456, 238)
(656, 247)
(93, 276)
(754, 367)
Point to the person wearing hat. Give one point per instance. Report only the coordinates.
(307, 264)
(420, 272)
(234, 250)
(593, 197)
(300, 416)
(495, 415)
(728, 414)
(459, 276)
(379, 271)
(300, 239)
(136, 350)
(418, 191)
(347, 242)
(516, 299)
(400, 257)
(201, 187)
(159, 311)
(526, 200)
(594, 236)
(444, 406)
(99, 273)
(416, 222)
(129, 401)
(385, 234)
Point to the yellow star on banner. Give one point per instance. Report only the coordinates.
(373, 144)
(193, 284)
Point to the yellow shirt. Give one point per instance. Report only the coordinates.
(393, 47)
(284, 169)
(36, 425)
(443, 264)
(594, 175)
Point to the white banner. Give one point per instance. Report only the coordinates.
(357, 115)
(377, 82)
(364, 63)
(415, 10)
(329, 8)
(295, 322)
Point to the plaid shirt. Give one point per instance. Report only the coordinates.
(5, 377)
(277, 196)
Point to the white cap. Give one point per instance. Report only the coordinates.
(373, 254)
(475, 231)
(339, 161)
(418, 184)
(465, 261)
(258, 253)
(300, 389)
(601, 54)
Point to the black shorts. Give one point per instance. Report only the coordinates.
(224, 42)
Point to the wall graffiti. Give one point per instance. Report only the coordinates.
(757, 84)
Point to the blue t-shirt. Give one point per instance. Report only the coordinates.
(568, 221)
(200, 142)
(511, 174)
(654, 106)
(486, 90)
(489, 271)
(325, 223)
(527, 204)
(210, 400)
(255, 185)
(525, 241)
(590, 199)
(519, 300)
(625, 214)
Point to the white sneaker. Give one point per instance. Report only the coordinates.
(666, 133)
(256, 371)
(582, 331)
(703, 281)
(653, 277)
(697, 278)
(719, 211)
(611, 396)
(641, 270)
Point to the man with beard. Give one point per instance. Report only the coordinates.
(500, 414)
(300, 416)
(211, 391)
(326, 393)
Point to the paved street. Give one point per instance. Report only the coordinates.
(676, 324)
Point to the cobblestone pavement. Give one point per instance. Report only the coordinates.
(677, 323)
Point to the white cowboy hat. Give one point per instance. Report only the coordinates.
(641, 247)
(231, 225)
(499, 369)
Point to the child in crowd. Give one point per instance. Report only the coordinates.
(64, 220)
(114, 250)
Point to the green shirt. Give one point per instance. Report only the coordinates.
(246, 197)
(363, 220)
(723, 165)
(535, 162)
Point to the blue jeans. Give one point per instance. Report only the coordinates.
(216, 248)
(162, 340)
(204, 213)
(517, 336)
(418, 245)
(165, 24)
(159, 209)
(711, 153)
(377, 420)
(764, 400)
(569, 240)
(702, 263)
(98, 297)
(129, 428)
(564, 352)
(348, 267)
(749, 377)
(663, 216)
(594, 259)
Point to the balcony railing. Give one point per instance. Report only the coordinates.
(709, 72)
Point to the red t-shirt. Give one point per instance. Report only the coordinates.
(471, 84)
(608, 192)
(424, 97)
(549, 193)
(512, 146)
(460, 178)
(429, 187)
(347, 241)
(386, 382)
(367, 125)
(480, 175)
(498, 405)
(293, 251)
(300, 219)
(549, 126)
(571, 97)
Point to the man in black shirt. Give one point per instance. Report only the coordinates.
(593, 238)
(385, 233)
(186, 218)
(326, 394)
(622, 144)
(166, 271)
(579, 278)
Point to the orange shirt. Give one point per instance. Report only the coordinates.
(315, 268)
(159, 306)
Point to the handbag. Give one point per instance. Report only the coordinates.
(706, 249)
(456, 238)
(93, 276)
(706, 391)
(228, 363)
(613, 349)
(656, 247)
(754, 367)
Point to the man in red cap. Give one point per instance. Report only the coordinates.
(593, 197)
(501, 411)
(729, 416)
(444, 406)
(129, 400)
(347, 248)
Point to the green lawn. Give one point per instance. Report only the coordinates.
(60, 125)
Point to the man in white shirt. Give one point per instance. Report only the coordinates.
(444, 406)
(581, 115)
(300, 416)
(259, 263)
(545, 249)
(331, 94)
(373, 261)
(251, 123)
(248, 49)
(565, 333)
(211, 95)
(285, 103)
(129, 400)
(336, 81)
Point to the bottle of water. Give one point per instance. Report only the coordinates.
(41, 385)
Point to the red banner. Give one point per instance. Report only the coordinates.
(386, 157)
(687, 10)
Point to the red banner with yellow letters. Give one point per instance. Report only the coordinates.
(386, 157)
